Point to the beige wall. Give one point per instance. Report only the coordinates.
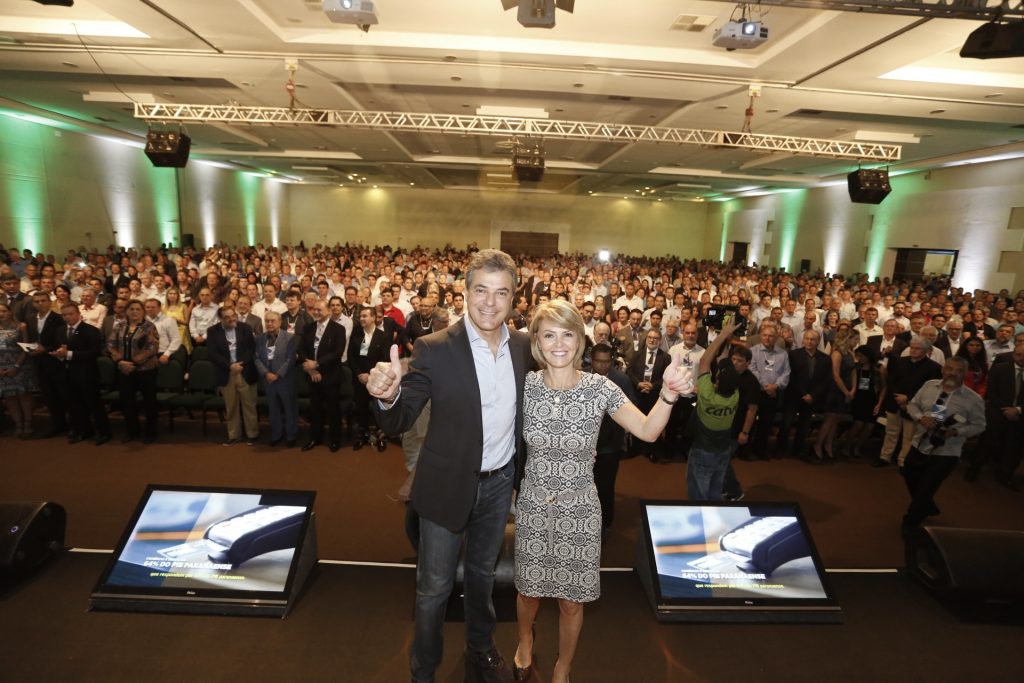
(60, 189)
(966, 208)
(407, 217)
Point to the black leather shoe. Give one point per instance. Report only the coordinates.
(358, 443)
(334, 446)
(290, 443)
(525, 673)
(310, 445)
(488, 667)
(148, 439)
(382, 444)
(232, 442)
(274, 442)
(75, 438)
(102, 439)
(128, 438)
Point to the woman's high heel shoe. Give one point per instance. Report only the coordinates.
(525, 673)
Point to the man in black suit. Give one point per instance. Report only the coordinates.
(464, 476)
(320, 347)
(232, 348)
(810, 372)
(1004, 433)
(369, 346)
(78, 347)
(611, 440)
(890, 343)
(42, 330)
(645, 372)
(19, 302)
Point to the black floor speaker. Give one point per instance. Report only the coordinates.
(32, 533)
(504, 593)
(978, 572)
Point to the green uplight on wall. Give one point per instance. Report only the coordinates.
(165, 203)
(249, 184)
(24, 190)
(792, 206)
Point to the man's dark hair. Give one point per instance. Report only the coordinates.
(602, 348)
(743, 352)
(728, 380)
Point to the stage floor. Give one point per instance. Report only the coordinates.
(353, 623)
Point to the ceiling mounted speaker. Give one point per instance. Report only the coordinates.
(168, 148)
(868, 186)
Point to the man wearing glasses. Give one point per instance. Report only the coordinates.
(945, 414)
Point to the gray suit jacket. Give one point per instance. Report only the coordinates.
(285, 350)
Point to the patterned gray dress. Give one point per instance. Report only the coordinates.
(558, 514)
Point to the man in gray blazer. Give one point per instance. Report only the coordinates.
(275, 363)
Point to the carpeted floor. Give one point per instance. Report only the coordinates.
(353, 623)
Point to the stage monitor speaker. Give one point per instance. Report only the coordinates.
(167, 148)
(32, 533)
(868, 186)
(977, 570)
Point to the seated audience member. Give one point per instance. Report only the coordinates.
(166, 328)
(203, 316)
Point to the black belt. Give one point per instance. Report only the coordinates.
(490, 473)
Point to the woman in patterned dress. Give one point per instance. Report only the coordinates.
(558, 514)
(16, 380)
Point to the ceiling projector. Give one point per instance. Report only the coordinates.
(362, 13)
(740, 35)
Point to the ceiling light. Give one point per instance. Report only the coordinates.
(538, 13)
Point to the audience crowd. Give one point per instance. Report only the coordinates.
(258, 326)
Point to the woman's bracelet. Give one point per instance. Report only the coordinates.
(664, 398)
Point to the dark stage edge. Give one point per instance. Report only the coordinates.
(354, 624)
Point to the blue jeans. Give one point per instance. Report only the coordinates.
(705, 472)
(435, 574)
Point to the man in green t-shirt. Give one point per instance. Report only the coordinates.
(713, 442)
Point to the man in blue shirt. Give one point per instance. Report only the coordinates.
(770, 366)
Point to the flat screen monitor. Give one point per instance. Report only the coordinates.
(732, 561)
(220, 550)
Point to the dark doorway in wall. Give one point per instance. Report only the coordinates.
(739, 252)
(530, 243)
(914, 264)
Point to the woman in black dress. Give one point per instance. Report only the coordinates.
(866, 404)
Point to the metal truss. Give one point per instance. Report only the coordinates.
(978, 10)
(503, 126)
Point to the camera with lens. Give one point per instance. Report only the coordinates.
(938, 436)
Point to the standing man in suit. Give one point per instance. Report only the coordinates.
(275, 362)
(42, 330)
(320, 349)
(79, 345)
(368, 347)
(645, 372)
(810, 372)
(1004, 434)
(890, 343)
(770, 366)
(232, 349)
(473, 374)
(630, 339)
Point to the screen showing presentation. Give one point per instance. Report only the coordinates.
(733, 552)
(211, 541)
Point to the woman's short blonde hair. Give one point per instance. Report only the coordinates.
(557, 313)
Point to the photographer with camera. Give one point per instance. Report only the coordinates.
(945, 414)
